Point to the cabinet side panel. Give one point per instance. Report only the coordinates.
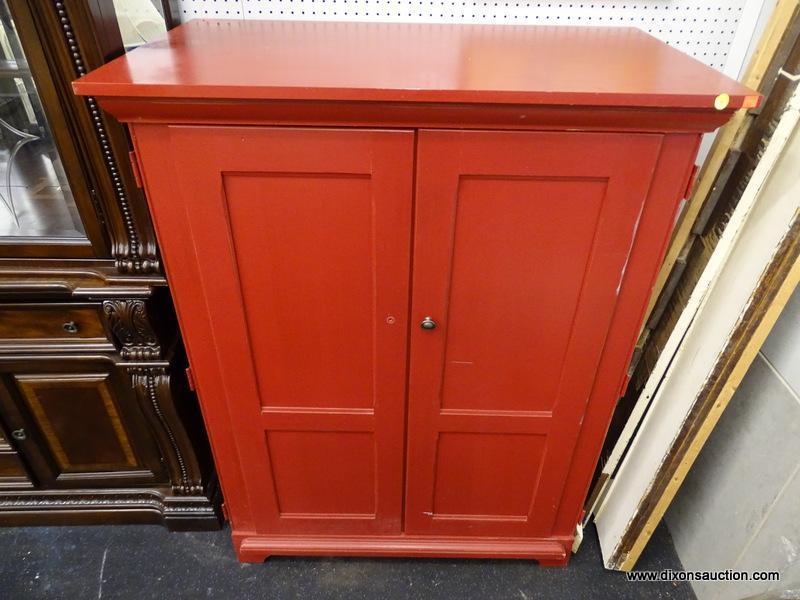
(183, 272)
(652, 237)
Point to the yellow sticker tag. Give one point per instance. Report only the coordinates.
(721, 101)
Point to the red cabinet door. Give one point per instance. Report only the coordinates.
(288, 255)
(521, 242)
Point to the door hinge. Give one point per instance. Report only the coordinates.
(690, 182)
(135, 168)
(190, 378)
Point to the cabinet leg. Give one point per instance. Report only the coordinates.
(251, 556)
(554, 562)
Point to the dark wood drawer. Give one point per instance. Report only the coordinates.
(53, 326)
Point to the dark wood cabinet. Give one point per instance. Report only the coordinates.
(80, 427)
(410, 294)
(97, 421)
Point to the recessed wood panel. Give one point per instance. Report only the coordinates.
(310, 295)
(79, 420)
(491, 476)
(323, 474)
(520, 248)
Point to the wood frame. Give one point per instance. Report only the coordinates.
(688, 399)
(773, 294)
(780, 49)
(704, 185)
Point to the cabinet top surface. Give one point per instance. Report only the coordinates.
(308, 60)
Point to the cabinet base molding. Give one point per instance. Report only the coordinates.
(548, 551)
(176, 513)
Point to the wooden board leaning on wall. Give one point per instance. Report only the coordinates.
(719, 186)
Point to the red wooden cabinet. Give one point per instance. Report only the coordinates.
(409, 298)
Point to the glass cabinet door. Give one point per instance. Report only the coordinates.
(36, 201)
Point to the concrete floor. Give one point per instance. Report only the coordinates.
(149, 562)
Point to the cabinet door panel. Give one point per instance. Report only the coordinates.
(80, 427)
(521, 242)
(62, 406)
(301, 239)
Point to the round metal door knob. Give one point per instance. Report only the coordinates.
(428, 323)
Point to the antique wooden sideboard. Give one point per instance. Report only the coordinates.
(97, 422)
(410, 263)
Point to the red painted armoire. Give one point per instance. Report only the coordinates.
(410, 263)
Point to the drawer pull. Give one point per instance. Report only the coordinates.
(18, 434)
(428, 323)
(71, 327)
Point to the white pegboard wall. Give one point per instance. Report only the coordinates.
(703, 29)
